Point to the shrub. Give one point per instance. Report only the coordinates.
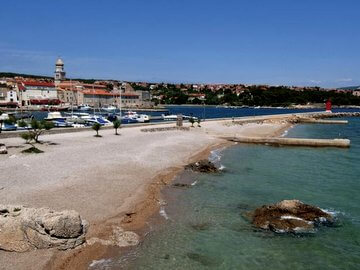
(117, 124)
(192, 121)
(37, 128)
(96, 127)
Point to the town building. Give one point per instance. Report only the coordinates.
(37, 93)
(8, 96)
(59, 71)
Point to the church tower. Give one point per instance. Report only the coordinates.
(59, 71)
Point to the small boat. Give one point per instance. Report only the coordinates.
(109, 108)
(170, 117)
(5, 125)
(55, 108)
(84, 107)
(134, 117)
(92, 119)
(142, 118)
(173, 117)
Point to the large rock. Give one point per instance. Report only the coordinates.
(204, 166)
(23, 229)
(3, 149)
(290, 216)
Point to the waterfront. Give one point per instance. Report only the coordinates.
(210, 112)
(205, 226)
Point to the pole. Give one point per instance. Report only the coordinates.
(120, 101)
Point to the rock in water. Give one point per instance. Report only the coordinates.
(290, 216)
(3, 149)
(23, 229)
(204, 166)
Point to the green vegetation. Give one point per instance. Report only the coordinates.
(255, 96)
(192, 121)
(37, 128)
(13, 75)
(96, 127)
(117, 124)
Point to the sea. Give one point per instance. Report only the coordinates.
(206, 225)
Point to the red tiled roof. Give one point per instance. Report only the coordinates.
(98, 93)
(21, 87)
(129, 95)
(38, 83)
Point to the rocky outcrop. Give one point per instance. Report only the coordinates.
(24, 229)
(204, 166)
(290, 216)
(3, 149)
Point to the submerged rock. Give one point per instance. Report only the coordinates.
(181, 185)
(205, 260)
(23, 229)
(290, 216)
(204, 166)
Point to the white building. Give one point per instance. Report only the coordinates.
(37, 93)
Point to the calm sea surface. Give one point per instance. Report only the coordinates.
(204, 227)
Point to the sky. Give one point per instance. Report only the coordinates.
(277, 42)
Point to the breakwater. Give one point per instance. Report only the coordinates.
(341, 143)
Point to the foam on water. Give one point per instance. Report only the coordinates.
(194, 183)
(100, 264)
(163, 213)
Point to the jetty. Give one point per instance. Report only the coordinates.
(321, 121)
(341, 143)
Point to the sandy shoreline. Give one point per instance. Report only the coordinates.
(114, 181)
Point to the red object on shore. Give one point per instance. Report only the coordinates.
(328, 105)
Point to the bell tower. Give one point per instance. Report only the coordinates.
(59, 71)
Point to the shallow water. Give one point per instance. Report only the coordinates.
(207, 227)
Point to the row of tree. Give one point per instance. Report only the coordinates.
(273, 96)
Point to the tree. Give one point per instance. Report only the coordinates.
(192, 121)
(96, 127)
(117, 124)
(37, 128)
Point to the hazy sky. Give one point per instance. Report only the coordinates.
(292, 42)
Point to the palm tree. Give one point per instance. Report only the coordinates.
(96, 127)
(117, 124)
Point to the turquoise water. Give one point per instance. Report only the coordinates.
(207, 226)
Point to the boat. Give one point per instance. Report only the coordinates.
(7, 126)
(173, 117)
(109, 108)
(134, 117)
(92, 119)
(58, 119)
(142, 118)
(55, 108)
(84, 107)
(4, 124)
(170, 117)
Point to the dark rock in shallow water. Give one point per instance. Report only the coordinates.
(200, 226)
(290, 216)
(204, 166)
(181, 185)
(203, 259)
